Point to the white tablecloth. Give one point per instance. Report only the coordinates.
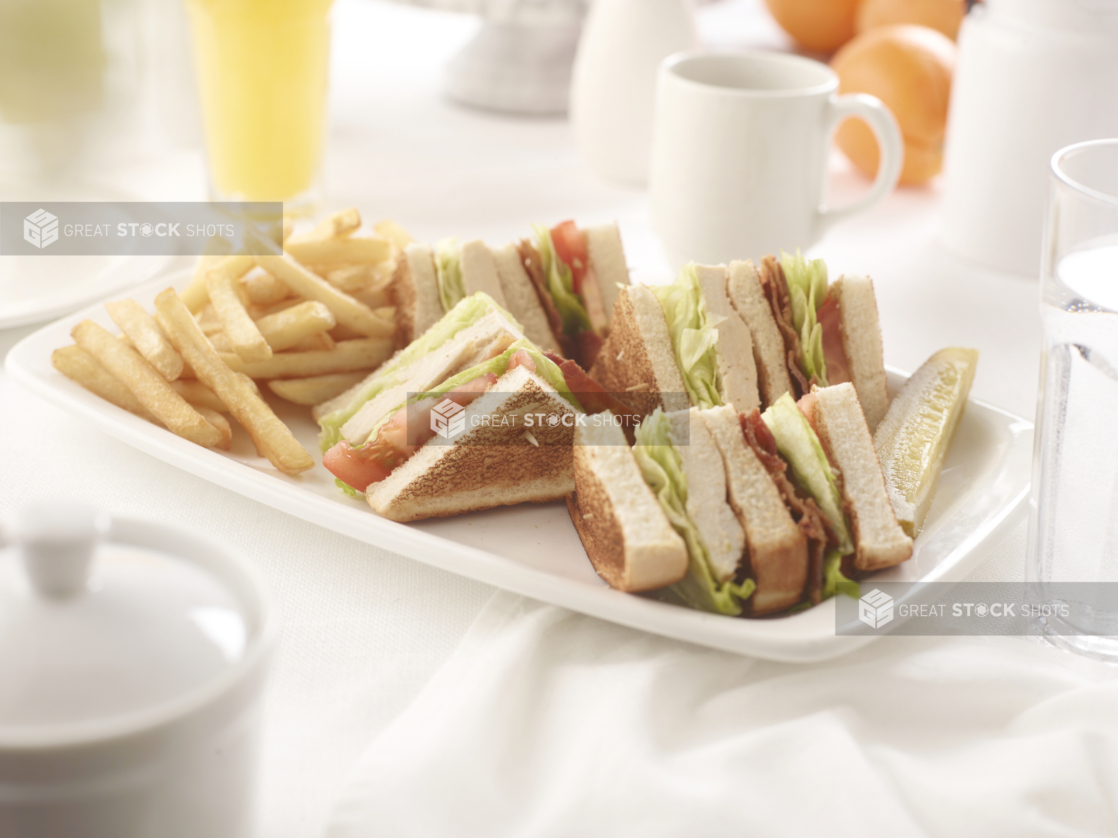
(364, 630)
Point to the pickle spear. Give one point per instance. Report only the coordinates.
(913, 438)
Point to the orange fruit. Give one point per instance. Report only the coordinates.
(909, 68)
(816, 25)
(942, 15)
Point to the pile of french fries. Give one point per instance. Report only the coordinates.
(310, 321)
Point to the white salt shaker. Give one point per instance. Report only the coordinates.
(613, 87)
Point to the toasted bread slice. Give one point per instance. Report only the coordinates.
(626, 534)
(479, 271)
(603, 246)
(837, 417)
(415, 293)
(492, 463)
(734, 348)
(637, 361)
(769, 353)
(777, 547)
(522, 299)
(861, 340)
(706, 492)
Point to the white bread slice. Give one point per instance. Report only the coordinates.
(734, 348)
(492, 463)
(607, 256)
(748, 298)
(479, 271)
(523, 302)
(415, 293)
(489, 335)
(706, 492)
(861, 339)
(637, 361)
(778, 555)
(627, 536)
(878, 538)
(343, 399)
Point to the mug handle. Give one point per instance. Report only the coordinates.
(890, 153)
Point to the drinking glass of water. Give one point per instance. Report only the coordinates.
(1073, 515)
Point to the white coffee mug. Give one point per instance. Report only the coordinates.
(739, 156)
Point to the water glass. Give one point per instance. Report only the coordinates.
(1073, 516)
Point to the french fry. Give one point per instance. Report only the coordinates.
(270, 435)
(220, 341)
(77, 364)
(308, 344)
(348, 278)
(241, 329)
(251, 384)
(317, 389)
(392, 231)
(207, 319)
(376, 298)
(347, 310)
(286, 328)
(262, 289)
(340, 333)
(148, 386)
(335, 225)
(199, 395)
(349, 355)
(219, 422)
(196, 293)
(335, 252)
(288, 227)
(146, 336)
(256, 312)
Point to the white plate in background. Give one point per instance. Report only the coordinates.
(37, 288)
(533, 549)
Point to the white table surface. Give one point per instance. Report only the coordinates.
(364, 630)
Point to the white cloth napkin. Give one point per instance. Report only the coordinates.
(550, 723)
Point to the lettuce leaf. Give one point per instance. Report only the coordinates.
(811, 470)
(345, 487)
(693, 335)
(807, 285)
(561, 284)
(662, 468)
(458, 318)
(835, 581)
(448, 273)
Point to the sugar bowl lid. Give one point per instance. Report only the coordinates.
(102, 621)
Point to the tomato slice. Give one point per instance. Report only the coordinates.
(570, 247)
(360, 467)
(372, 463)
(829, 317)
(521, 358)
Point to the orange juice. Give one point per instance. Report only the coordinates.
(262, 71)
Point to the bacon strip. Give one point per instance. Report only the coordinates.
(533, 266)
(776, 290)
(804, 510)
(593, 397)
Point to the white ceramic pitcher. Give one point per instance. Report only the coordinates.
(1032, 76)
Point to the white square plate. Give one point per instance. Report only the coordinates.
(533, 549)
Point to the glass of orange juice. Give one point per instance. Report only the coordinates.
(262, 74)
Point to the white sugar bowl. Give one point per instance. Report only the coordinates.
(132, 661)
